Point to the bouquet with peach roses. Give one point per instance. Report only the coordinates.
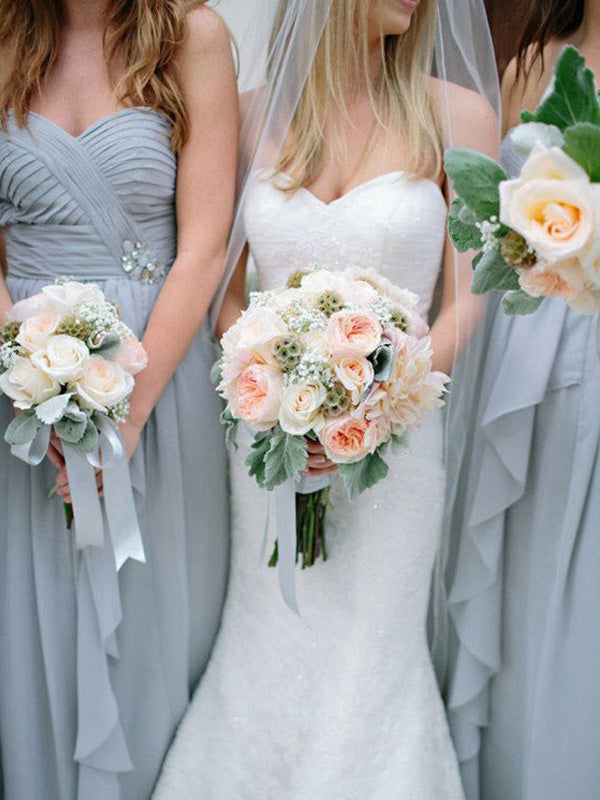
(538, 236)
(338, 357)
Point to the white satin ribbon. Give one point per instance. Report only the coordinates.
(285, 514)
(121, 515)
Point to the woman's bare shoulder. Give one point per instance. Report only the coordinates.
(473, 118)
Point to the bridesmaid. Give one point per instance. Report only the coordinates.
(524, 701)
(119, 124)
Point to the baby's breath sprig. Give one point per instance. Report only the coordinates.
(489, 233)
(302, 320)
(313, 368)
(381, 307)
(9, 352)
(119, 412)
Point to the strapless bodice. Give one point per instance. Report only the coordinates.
(391, 223)
(69, 203)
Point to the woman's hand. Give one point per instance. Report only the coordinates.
(317, 463)
(130, 435)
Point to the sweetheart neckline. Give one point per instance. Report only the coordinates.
(98, 123)
(365, 185)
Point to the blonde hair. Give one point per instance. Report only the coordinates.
(145, 34)
(399, 90)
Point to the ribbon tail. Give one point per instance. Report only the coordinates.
(118, 498)
(34, 452)
(87, 512)
(265, 539)
(285, 510)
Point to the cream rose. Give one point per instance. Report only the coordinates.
(355, 374)
(590, 261)
(35, 331)
(553, 205)
(27, 385)
(131, 355)
(301, 408)
(565, 279)
(63, 358)
(349, 290)
(67, 296)
(344, 439)
(353, 333)
(30, 307)
(256, 397)
(103, 384)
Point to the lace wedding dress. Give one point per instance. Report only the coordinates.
(340, 704)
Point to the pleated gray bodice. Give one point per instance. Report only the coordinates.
(64, 195)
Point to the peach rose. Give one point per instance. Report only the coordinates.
(355, 374)
(131, 355)
(378, 432)
(353, 333)
(565, 279)
(35, 331)
(344, 439)
(257, 396)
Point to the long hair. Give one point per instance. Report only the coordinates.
(399, 89)
(546, 20)
(142, 34)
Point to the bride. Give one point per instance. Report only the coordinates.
(342, 702)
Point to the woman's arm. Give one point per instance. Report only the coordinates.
(474, 125)
(234, 301)
(205, 197)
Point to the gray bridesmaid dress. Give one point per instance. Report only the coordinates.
(523, 693)
(96, 668)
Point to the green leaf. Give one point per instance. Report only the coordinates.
(71, 430)
(574, 97)
(89, 440)
(520, 303)
(286, 458)
(364, 474)
(256, 458)
(216, 372)
(22, 428)
(109, 347)
(493, 273)
(231, 426)
(582, 143)
(461, 227)
(476, 179)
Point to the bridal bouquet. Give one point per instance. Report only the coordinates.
(67, 362)
(338, 357)
(538, 236)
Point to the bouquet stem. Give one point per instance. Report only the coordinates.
(311, 514)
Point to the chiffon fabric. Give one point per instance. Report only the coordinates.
(97, 668)
(523, 697)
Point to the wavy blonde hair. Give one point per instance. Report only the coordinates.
(144, 34)
(399, 88)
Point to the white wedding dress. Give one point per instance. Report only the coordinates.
(341, 704)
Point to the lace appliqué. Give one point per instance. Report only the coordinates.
(141, 263)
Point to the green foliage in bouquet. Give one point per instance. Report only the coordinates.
(275, 457)
(570, 119)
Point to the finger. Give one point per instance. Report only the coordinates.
(318, 461)
(318, 473)
(62, 478)
(314, 447)
(55, 458)
(56, 443)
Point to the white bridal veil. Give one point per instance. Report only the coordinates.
(272, 76)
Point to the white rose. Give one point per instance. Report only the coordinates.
(103, 384)
(30, 307)
(301, 408)
(553, 205)
(355, 373)
(350, 290)
(63, 358)
(27, 385)
(67, 296)
(255, 331)
(35, 331)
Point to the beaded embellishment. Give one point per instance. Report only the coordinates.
(141, 263)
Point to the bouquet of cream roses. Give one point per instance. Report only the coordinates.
(67, 362)
(339, 357)
(538, 235)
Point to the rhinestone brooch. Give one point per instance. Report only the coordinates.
(140, 263)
